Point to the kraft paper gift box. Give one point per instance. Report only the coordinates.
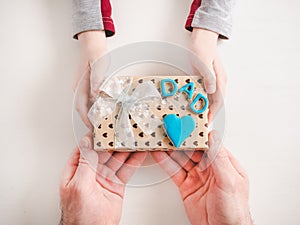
(139, 113)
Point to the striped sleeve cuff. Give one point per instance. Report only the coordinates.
(213, 15)
(86, 16)
(106, 11)
(213, 23)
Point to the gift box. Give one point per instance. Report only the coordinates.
(139, 113)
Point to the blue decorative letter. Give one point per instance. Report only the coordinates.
(163, 87)
(192, 105)
(186, 87)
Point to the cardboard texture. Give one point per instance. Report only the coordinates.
(104, 134)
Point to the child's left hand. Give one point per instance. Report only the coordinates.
(92, 47)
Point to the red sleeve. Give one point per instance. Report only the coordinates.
(195, 5)
(106, 18)
(108, 23)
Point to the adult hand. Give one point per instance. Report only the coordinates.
(204, 46)
(217, 195)
(93, 184)
(92, 47)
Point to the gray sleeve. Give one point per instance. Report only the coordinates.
(86, 16)
(215, 15)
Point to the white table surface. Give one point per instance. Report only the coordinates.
(38, 63)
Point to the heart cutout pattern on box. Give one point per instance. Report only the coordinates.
(178, 129)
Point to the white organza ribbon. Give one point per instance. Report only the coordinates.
(135, 106)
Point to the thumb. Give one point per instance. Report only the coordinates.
(88, 161)
(99, 70)
(223, 170)
(209, 77)
(206, 71)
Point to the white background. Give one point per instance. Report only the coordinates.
(38, 64)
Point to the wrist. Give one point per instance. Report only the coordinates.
(92, 44)
(203, 35)
(204, 45)
(92, 36)
(75, 219)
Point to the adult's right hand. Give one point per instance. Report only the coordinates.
(217, 195)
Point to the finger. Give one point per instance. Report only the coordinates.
(83, 69)
(171, 167)
(70, 168)
(99, 70)
(106, 176)
(221, 75)
(216, 104)
(195, 156)
(82, 103)
(223, 170)
(103, 157)
(217, 99)
(88, 162)
(83, 112)
(206, 71)
(117, 160)
(134, 161)
(236, 164)
(96, 81)
(209, 81)
(182, 159)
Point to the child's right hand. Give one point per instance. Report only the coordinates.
(204, 46)
(92, 47)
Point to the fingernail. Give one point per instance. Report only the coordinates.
(84, 143)
(210, 89)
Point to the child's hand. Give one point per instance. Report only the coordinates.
(92, 47)
(204, 45)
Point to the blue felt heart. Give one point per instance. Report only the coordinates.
(178, 129)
